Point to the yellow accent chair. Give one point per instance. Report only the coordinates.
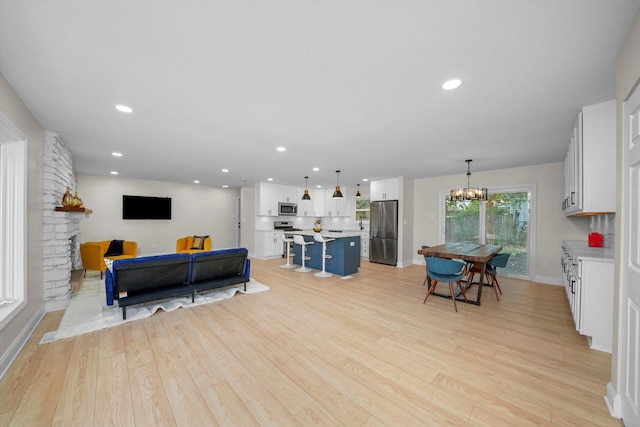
(92, 254)
(192, 244)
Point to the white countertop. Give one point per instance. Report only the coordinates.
(581, 249)
(330, 234)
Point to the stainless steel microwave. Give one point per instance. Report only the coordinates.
(287, 209)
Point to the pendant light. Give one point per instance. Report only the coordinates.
(358, 195)
(468, 193)
(337, 194)
(306, 195)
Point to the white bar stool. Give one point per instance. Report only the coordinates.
(288, 242)
(299, 240)
(318, 238)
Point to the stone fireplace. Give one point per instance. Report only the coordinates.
(61, 252)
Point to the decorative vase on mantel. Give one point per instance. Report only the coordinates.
(67, 198)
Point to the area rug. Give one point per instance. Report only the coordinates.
(88, 311)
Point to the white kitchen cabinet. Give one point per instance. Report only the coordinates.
(305, 207)
(336, 207)
(588, 280)
(266, 199)
(590, 163)
(364, 244)
(385, 189)
(287, 194)
(317, 196)
(268, 244)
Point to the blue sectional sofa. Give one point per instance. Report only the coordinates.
(143, 279)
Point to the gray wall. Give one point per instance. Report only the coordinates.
(14, 334)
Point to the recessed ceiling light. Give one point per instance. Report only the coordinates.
(225, 186)
(124, 108)
(225, 170)
(195, 181)
(116, 154)
(269, 179)
(365, 179)
(451, 84)
(281, 149)
(114, 173)
(316, 169)
(318, 186)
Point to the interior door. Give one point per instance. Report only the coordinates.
(630, 286)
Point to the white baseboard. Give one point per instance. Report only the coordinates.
(612, 399)
(548, 280)
(16, 346)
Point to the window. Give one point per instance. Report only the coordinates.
(362, 209)
(504, 219)
(13, 189)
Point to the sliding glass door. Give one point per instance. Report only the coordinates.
(504, 219)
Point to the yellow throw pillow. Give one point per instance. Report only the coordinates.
(198, 242)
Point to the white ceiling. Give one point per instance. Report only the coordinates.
(343, 84)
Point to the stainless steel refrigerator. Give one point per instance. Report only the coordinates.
(383, 246)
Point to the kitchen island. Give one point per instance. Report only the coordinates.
(344, 251)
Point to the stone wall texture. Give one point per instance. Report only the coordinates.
(61, 229)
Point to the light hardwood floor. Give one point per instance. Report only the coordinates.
(311, 351)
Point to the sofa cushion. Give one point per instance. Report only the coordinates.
(154, 272)
(115, 248)
(198, 242)
(218, 264)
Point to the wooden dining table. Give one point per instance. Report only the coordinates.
(470, 252)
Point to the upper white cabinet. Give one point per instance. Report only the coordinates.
(322, 203)
(266, 199)
(287, 194)
(336, 207)
(590, 163)
(308, 207)
(317, 197)
(268, 195)
(385, 189)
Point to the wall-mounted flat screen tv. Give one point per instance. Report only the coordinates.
(143, 207)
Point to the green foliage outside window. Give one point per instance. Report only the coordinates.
(506, 224)
(362, 209)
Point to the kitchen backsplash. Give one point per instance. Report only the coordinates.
(306, 223)
(605, 225)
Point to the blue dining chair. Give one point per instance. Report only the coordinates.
(497, 261)
(425, 264)
(445, 270)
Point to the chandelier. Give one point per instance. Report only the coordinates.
(468, 193)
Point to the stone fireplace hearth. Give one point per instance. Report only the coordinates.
(61, 251)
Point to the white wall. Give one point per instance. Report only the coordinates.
(196, 210)
(551, 228)
(406, 246)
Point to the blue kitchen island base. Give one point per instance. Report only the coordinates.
(344, 252)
